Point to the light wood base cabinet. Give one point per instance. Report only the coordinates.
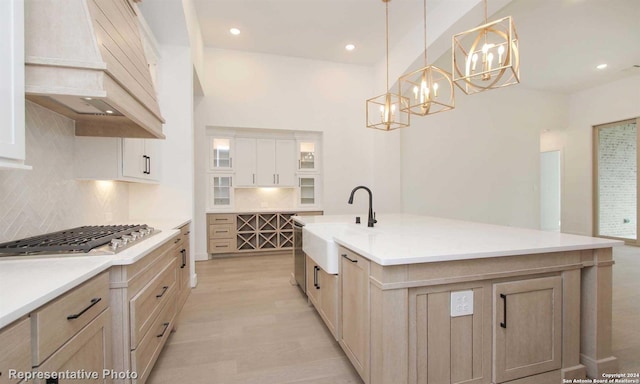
(322, 291)
(143, 298)
(15, 353)
(530, 322)
(354, 310)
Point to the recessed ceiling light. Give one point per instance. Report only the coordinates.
(234, 31)
(349, 47)
(602, 66)
(109, 111)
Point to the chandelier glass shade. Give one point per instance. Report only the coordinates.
(387, 111)
(427, 90)
(486, 57)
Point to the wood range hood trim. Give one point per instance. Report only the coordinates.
(91, 50)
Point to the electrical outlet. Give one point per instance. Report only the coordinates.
(461, 303)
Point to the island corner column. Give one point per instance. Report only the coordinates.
(596, 313)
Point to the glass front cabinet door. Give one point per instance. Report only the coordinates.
(307, 156)
(220, 154)
(308, 191)
(220, 191)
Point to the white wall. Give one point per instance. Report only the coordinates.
(608, 103)
(550, 192)
(276, 92)
(173, 197)
(480, 161)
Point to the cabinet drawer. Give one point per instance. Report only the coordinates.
(222, 219)
(58, 321)
(221, 231)
(144, 357)
(145, 306)
(221, 246)
(88, 350)
(16, 350)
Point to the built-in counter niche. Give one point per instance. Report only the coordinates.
(254, 159)
(615, 181)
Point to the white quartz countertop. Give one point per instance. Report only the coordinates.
(28, 282)
(408, 239)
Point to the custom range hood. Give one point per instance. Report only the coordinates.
(85, 59)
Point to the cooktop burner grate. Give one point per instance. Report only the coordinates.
(80, 239)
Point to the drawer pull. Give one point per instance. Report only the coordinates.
(184, 258)
(187, 233)
(94, 301)
(503, 324)
(164, 290)
(222, 231)
(221, 219)
(166, 325)
(221, 246)
(347, 257)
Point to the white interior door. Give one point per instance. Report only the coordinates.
(550, 191)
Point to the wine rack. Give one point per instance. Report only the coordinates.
(253, 232)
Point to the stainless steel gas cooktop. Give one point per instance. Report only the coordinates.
(90, 240)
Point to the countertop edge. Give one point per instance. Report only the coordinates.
(108, 261)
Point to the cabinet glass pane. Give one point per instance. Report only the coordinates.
(221, 153)
(307, 190)
(307, 158)
(221, 190)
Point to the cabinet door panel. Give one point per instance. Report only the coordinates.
(266, 165)
(133, 160)
(354, 335)
(152, 151)
(285, 163)
(528, 333)
(245, 162)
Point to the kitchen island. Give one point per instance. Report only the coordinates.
(430, 300)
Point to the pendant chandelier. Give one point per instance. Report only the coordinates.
(486, 57)
(428, 90)
(388, 111)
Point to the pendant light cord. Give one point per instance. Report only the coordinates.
(425, 33)
(386, 2)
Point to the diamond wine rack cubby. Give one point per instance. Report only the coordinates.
(251, 232)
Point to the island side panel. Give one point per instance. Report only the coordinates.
(596, 313)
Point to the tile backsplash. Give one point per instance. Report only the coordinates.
(48, 198)
(253, 199)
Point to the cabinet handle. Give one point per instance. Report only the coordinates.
(149, 169)
(144, 158)
(164, 290)
(504, 310)
(166, 325)
(184, 258)
(221, 246)
(94, 301)
(254, 178)
(231, 162)
(187, 233)
(347, 257)
(278, 175)
(274, 178)
(315, 277)
(176, 241)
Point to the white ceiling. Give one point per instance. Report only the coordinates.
(561, 41)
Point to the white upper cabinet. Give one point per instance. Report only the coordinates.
(12, 117)
(245, 166)
(140, 159)
(275, 163)
(221, 154)
(307, 154)
(106, 158)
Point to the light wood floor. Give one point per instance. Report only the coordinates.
(245, 323)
